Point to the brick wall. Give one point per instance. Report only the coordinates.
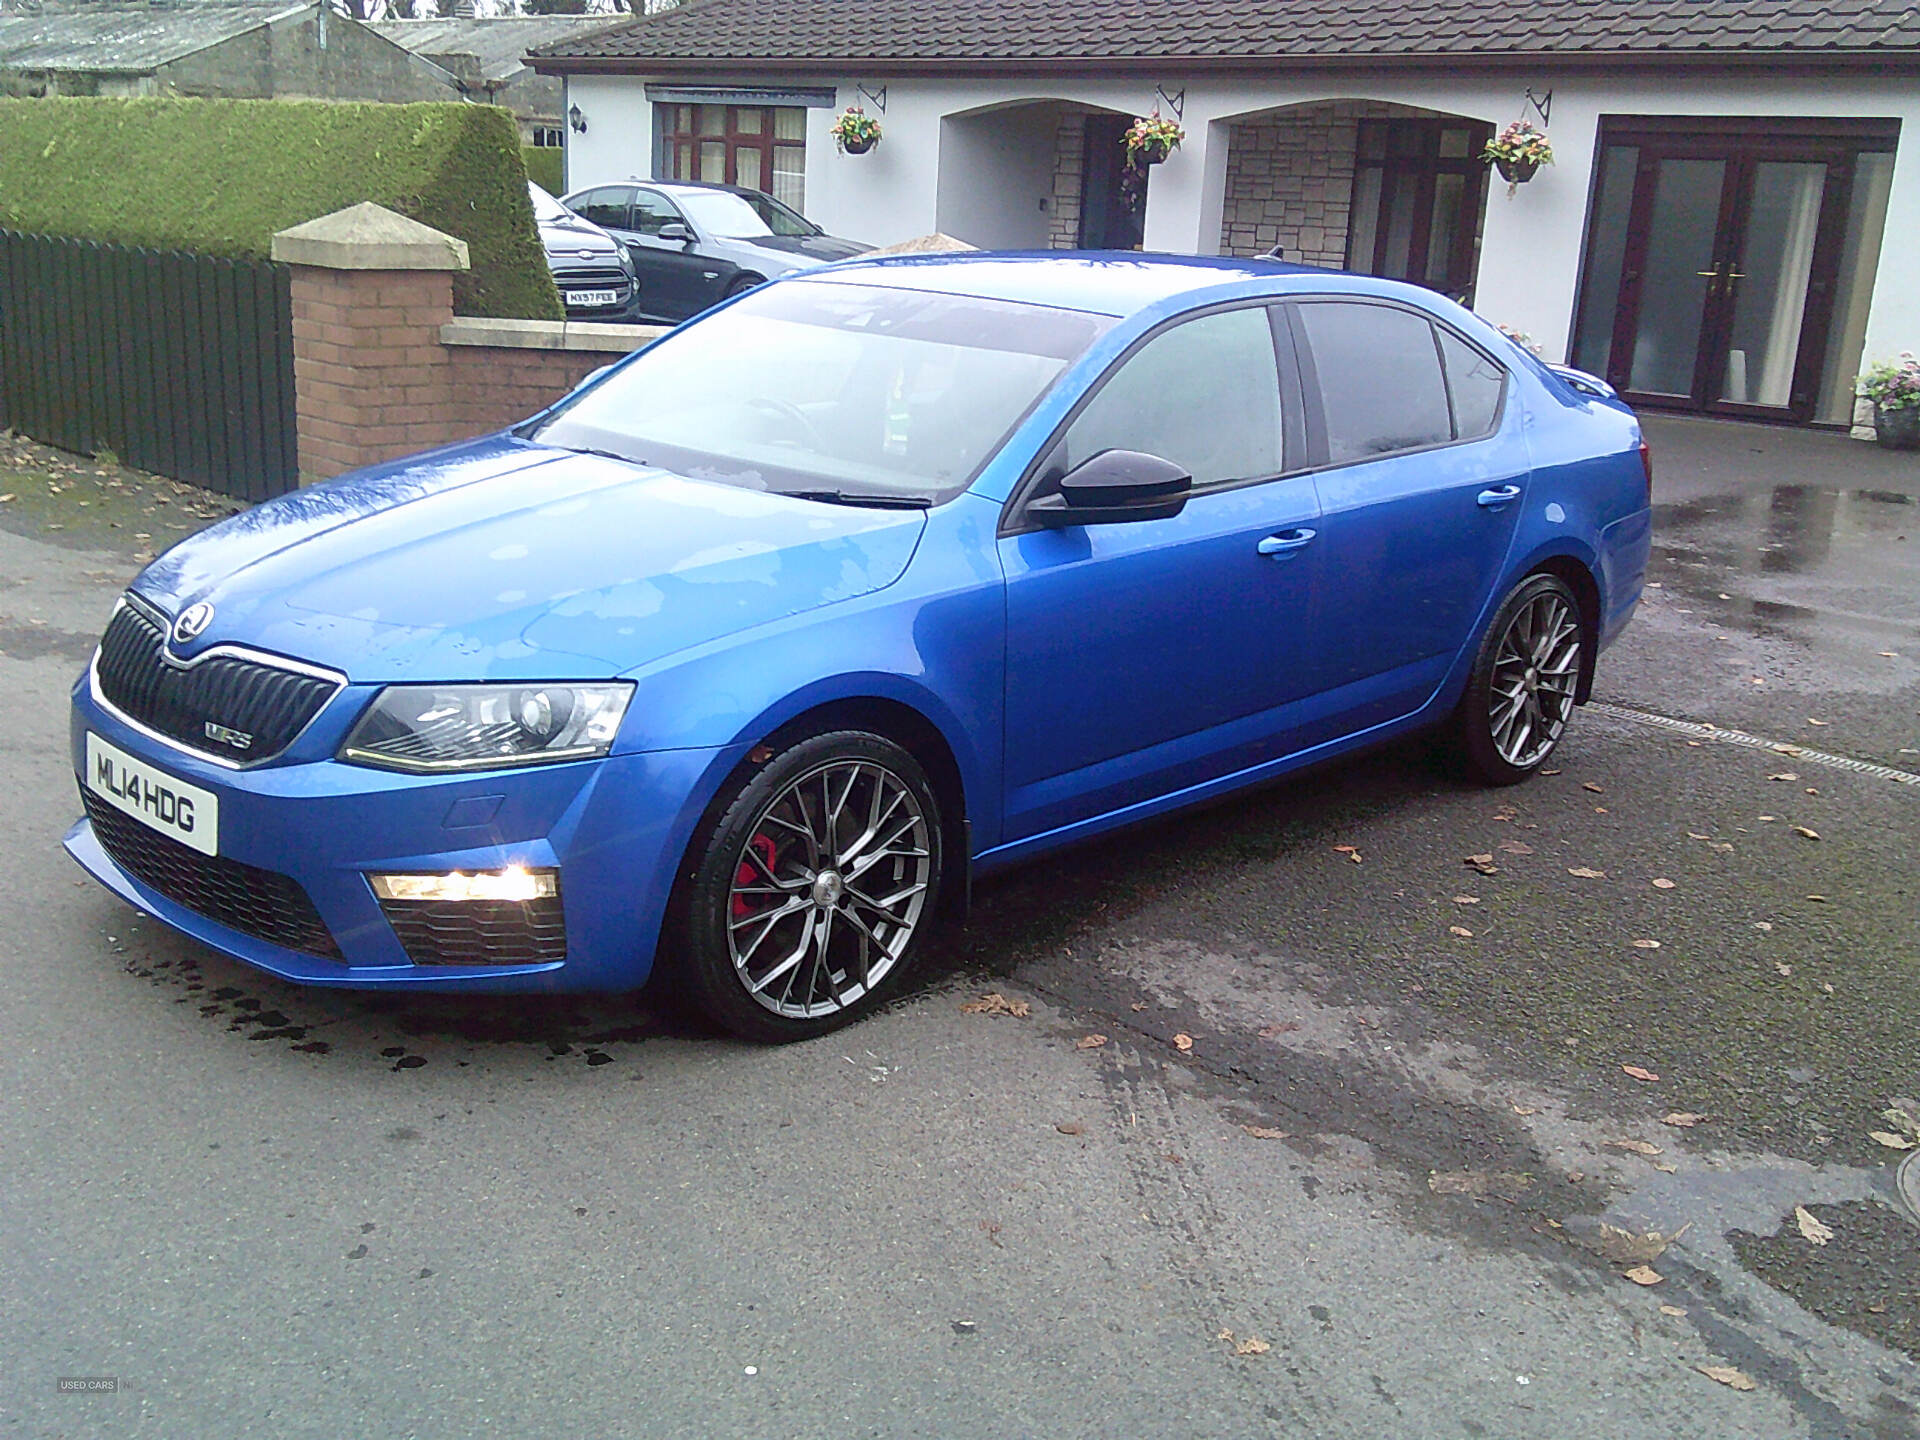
(382, 367)
(371, 378)
(1290, 180)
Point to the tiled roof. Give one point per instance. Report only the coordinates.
(126, 39)
(912, 34)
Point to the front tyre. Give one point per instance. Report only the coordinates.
(812, 888)
(1520, 697)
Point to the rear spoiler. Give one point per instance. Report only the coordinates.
(1583, 382)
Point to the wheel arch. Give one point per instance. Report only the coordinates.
(1586, 590)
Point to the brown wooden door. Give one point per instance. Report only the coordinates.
(1726, 287)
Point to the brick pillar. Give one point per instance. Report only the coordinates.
(372, 381)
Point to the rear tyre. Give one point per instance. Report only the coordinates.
(1520, 696)
(809, 893)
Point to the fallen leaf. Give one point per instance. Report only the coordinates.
(1225, 1334)
(1638, 1147)
(1461, 931)
(1905, 1114)
(1645, 1275)
(1252, 1345)
(1137, 1006)
(1629, 1247)
(1892, 1142)
(1809, 834)
(1727, 1375)
(1818, 899)
(1692, 836)
(1664, 1168)
(1549, 772)
(1071, 1128)
(1526, 1109)
(1285, 1027)
(1763, 925)
(1183, 1042)
(1725, 847)
(1589, 785)
(1586, 872)
(1350, 852)
(994, 1003)
(1782, 968)
(1640, 1074)
(1884, 654)
(1482, 863)
(5, 498)
(1090, 1042)
(1784, 775)
(1646, 944)
(1663, 884)
(1516, 847)
(1505, 1184)
(1466, 899)
(1812, 721)
(1769, 817)
(1264, 1132)
(1681, 1119)
(1811, 1227)
(1673, 1310)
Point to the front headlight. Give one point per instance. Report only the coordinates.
(485, 727)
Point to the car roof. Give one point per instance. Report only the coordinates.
(1115, 282)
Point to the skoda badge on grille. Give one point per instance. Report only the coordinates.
(193, 621)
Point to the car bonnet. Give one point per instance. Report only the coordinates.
(567, 566)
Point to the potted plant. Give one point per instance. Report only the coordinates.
(856, 131)
(1152, 138)
(1894, 388)
(1518, 152)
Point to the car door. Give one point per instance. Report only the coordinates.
(676, 280)
(1421, 477)
(1150, 656)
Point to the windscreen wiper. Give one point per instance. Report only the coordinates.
(870, 501)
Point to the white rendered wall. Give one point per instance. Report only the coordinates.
(1531, 247)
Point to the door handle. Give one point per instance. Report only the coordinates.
(1285, 543)
(1498, 495)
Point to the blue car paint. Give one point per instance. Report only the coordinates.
(736, 612)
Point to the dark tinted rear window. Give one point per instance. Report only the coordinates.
(1380, 383)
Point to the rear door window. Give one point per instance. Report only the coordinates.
(1475, 385)
(1381, 387)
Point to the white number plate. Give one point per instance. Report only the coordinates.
(593, 297)
(153, 797)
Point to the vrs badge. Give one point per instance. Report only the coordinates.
(193, 621)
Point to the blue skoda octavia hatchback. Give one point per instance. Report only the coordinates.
(755, 649)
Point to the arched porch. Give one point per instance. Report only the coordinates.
(1037, 174)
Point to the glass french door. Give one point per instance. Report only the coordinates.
(1714, 267)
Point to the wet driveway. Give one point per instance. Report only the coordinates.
(1370, 1105)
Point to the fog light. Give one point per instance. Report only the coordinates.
(516, 882)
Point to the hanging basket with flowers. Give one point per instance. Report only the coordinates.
(855, 131)
(1894, 388)
(1518, 152)
(1152, 138)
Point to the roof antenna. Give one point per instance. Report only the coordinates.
(1278, 252)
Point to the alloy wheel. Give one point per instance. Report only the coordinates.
(1535, 672)
(828, 889)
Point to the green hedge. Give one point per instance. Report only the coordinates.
(221, 176)
(546, 167)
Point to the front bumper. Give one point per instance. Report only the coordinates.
(614, 830)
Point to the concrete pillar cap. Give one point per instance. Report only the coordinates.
(369, 237)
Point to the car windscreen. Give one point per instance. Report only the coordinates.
(859, 390)
(781, 219)
(722, 213)
(545, 207)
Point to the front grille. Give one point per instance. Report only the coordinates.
(259, 706)
(591, 278)
(261, 903)
(479, 932)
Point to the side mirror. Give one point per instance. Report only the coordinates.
(1113, 487)
(677, 233)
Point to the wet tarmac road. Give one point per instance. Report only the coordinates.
(1393, 1184)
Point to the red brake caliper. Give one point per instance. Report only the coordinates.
(763, 847)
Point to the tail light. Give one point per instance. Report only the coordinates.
(1646, 462)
